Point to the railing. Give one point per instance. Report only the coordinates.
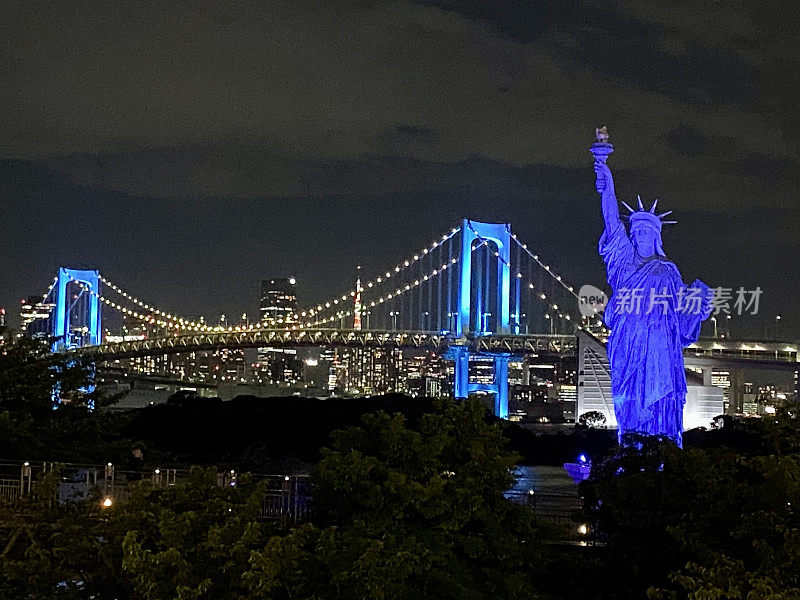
(548, 505)
(10, 489)
(287, 497)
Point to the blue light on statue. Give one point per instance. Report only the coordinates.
(582, 458)
(648, 380)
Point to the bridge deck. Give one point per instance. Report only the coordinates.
(703, 353)
(260, 338)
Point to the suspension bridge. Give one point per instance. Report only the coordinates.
(477, 291)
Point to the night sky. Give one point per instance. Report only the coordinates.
(188, 149)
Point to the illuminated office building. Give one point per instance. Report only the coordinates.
(749, 400)
(369, 370)
(35, 316)
(278, 308)
(733, 390)
(426, 375)
(278, 304)
(327, 358)
(481, 370)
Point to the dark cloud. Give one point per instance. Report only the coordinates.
(169, 143)
(767, 169)
(656, 55)
(688, 142)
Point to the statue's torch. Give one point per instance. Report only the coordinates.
(601, 148)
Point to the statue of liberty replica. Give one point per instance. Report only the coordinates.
(652, 315)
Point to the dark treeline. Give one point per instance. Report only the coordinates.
(247, 429)
(407, 503)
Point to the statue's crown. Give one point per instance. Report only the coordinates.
(646, 217)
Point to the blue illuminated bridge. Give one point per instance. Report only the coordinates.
(476, 292)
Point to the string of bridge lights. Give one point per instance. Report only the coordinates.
(180, 321)
(555, 276)
(149, 318)
(542, 296)
(401, 290)
(185, 323)
(172, 321)
(535, 257)
(399, 268)
(49, 289)
(143, 317)
(189, 326)
(390, 295)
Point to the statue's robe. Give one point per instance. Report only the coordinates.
(648, 380)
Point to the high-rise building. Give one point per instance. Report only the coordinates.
(366, 370)
(425, 375)
(278, 308)
(278, 304)
(35, 316)
(327, 357)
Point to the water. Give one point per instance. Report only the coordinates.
(544, 480)
(555, 494)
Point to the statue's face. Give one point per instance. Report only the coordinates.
(644, 240)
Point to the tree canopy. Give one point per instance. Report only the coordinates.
(409, 513)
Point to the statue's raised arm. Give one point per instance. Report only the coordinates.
(604, 184)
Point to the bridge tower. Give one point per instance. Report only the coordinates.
(471, 318)
(76, 314)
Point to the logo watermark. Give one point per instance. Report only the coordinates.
(689, 300)
(591, 300)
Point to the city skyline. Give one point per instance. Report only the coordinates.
(325, 138)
